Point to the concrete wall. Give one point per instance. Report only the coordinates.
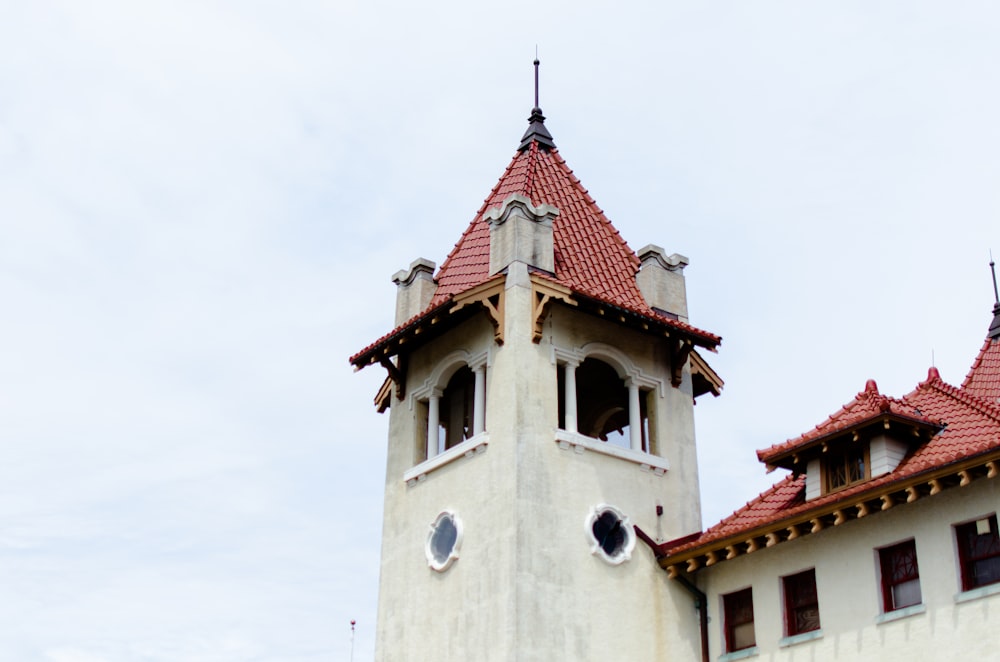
(849, 591)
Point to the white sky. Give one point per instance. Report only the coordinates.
(201, 205)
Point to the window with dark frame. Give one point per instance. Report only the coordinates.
(846, 469)
(738, 623)
(900, 576)
(979, 552)
(801, 603)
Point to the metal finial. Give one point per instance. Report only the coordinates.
(536, 77)
(996, 294)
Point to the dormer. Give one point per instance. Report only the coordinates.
(866, 439)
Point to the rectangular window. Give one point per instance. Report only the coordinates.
(979, 552)
(801, 603)
(738, 614)
(900, 576)
(846, 469)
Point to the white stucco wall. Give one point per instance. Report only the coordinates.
(846, 564)
(526, 586)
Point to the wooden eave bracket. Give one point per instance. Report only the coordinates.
(544, 293)
(397, 373)
(491, 296)
(679, 351)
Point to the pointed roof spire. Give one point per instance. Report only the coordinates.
(536, 124)
(994, 331)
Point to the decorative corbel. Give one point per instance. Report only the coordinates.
(542, 295)
(396, 373)
(679, 351)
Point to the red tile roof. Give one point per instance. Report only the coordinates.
(983, 379)
(867, 405)
(972, 428)
(590, 257)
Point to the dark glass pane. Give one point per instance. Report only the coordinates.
(443, 540)
(739, 620)
(609, 533)
(986, 571)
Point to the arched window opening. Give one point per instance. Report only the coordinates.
(452, 412)
(604, 405)
(456, 409)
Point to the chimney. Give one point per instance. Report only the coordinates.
(521, 232)
(415, 289)
(661, 281)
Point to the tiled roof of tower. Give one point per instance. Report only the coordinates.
(983, 379)
(591, 257)
(972, 429)
(867, 405)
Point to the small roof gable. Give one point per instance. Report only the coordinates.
(867, 407)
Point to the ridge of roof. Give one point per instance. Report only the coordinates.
(867, 405)
(961, 394)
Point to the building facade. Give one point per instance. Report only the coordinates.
(541, 495)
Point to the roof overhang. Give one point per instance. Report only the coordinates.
(905, 428)
(882, 494)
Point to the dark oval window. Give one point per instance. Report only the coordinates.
(612, 537)
(443, 539)
(609, 533)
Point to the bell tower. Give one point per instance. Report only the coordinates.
(540, 390)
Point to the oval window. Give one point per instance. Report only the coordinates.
(611, 534)
(443, 541)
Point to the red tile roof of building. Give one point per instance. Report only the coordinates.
(971, 429)
(590, 256)
(868, 405)
(983, 379)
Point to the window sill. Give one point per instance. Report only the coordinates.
(740, 654)
(897, 614)
(468, 448)
(977, 593)
(580, 443)
(800, 638)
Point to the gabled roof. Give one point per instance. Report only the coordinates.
(590, 257)
(966, 448)
(867, 407)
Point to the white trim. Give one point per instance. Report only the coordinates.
(800, 638)
(617, 359)
(740, 654)
(897, 614)
(445, 368)
(977, 593)
(471, 446)
(580, 443)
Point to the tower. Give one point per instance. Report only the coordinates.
(540, 391)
